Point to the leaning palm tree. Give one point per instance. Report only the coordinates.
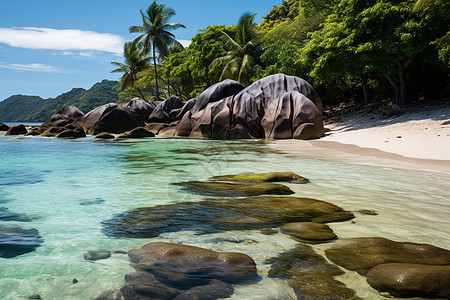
(155, 32)
(239, 63)
(135, 62)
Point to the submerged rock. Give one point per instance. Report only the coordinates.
(362, 254)
(17, 130)
(264, 177)
(172, 271)
(6, 215)
(309, 231)
(411, 280)
(224, 214)
(217, 188)
(96, 255)
(15, 241)
(193, 262)
(309, 274)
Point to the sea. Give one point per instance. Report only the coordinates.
(64, 189)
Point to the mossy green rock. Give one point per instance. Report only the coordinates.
(264, 177)
(227, 189)
(319, 285)
(309, 231)
(223, 214)
(309, 274)
(411, 280)
(362, 254)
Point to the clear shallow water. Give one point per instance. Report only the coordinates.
(67, 187)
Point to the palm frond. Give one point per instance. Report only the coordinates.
(229, 42)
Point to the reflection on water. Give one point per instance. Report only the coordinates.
(75, 185)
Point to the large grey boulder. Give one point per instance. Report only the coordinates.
(110, 118)
(141, 107)
(161, 114)
(94, 116)
(217, 92)
(275, 107)
(69, 112)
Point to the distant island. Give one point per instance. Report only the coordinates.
(21, 108)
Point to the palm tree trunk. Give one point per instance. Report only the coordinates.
(156, 74)
(140, 92)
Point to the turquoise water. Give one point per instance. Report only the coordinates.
(67, 187)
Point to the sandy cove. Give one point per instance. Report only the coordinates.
(417, 139)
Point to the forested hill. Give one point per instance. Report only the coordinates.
(20, 108)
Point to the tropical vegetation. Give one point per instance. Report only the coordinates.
(351, 50)
(155, 33)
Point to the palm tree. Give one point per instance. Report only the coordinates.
(135, 62)
(155, 32)
(239, 62)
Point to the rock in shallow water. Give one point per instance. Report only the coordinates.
(264, 177)
(172, 271)
(224, 214)
(4, 127)
(226, 189)
(309, 231)
(411, 280)
(17, 130)
(362, 254)
(15, 241)
(309, 274)
(96, 255)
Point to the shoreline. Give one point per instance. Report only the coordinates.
(367, 156)
(417, 139)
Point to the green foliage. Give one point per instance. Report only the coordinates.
(337, 45)
(287, 10)
(16, 108)
(240, 61)
(155, 33)
(135, 62)
(190, 71)
(369, 36)
(21, 108)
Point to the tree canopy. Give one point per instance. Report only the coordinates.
(350, 50)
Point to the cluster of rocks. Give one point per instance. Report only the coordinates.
(399, 269)
(241, 202)
(258, 201)
(275, 107)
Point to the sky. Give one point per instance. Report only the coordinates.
(48, 47)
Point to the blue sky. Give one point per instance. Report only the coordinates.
(48, 47)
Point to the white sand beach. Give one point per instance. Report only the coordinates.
(418, 139)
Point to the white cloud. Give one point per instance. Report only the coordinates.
(32, 67)
(185, 43)
(61, 39)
